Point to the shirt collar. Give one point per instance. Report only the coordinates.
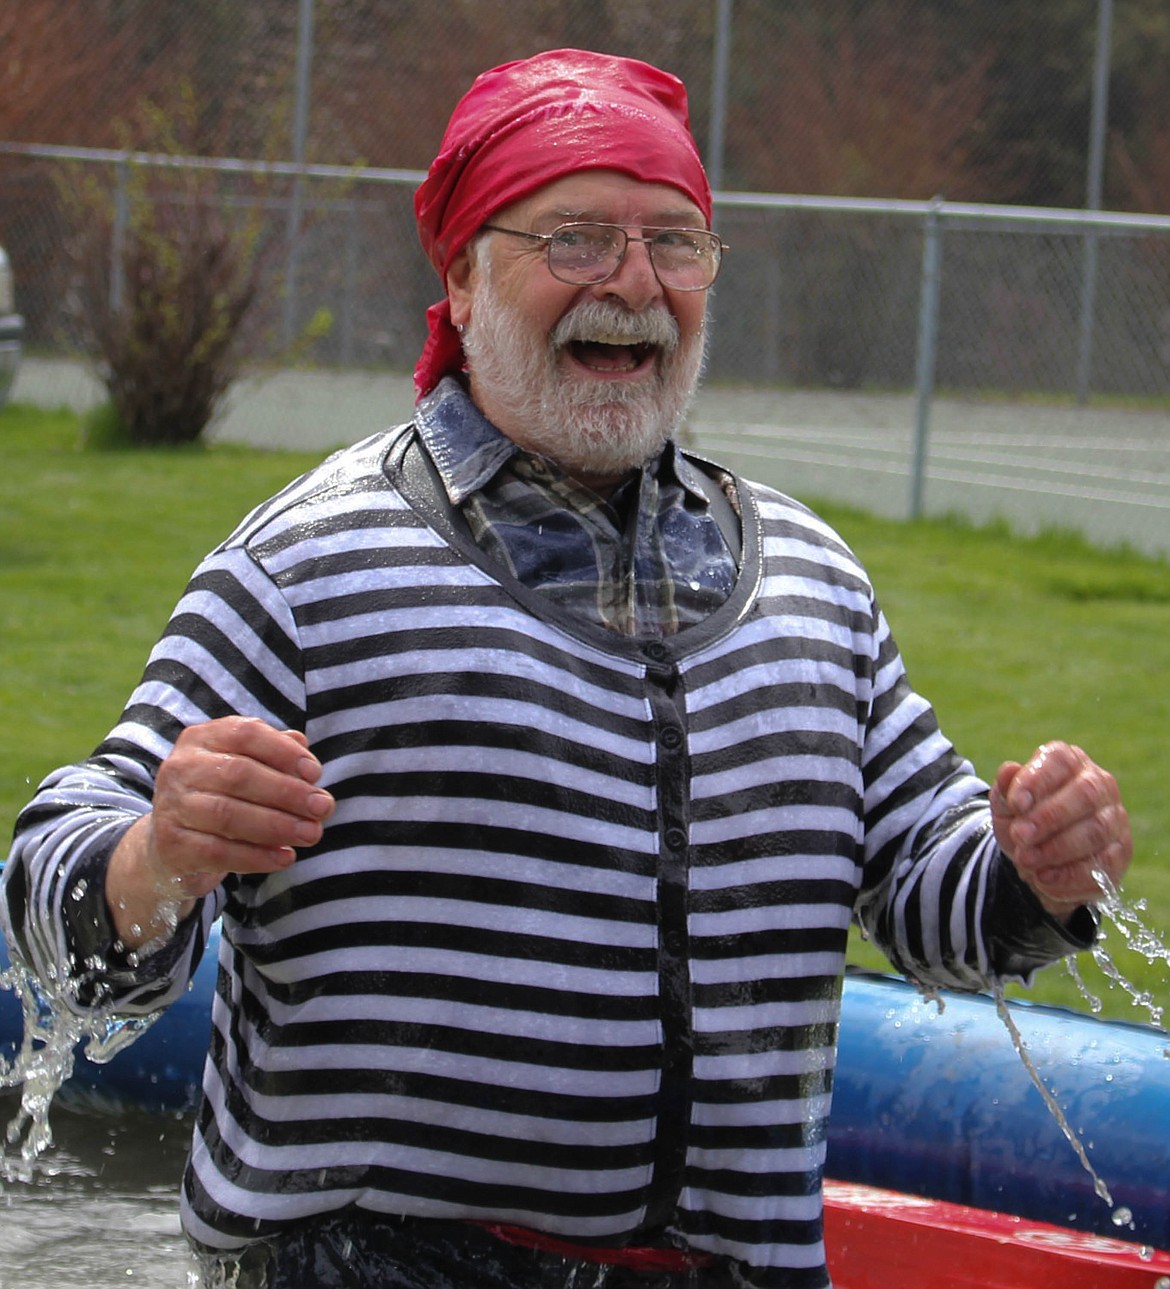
(468, 450)
(465, 446)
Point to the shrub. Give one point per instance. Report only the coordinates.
(162, 314)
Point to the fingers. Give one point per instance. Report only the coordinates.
(1061, 820)
(242, 736)
(236, 795)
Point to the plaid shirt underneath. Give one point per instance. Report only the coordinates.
(648, 561)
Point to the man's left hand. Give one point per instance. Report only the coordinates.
(1060, 820)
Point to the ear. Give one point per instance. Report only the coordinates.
(460, 286)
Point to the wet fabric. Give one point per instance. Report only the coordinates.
(525, 124)
(362, 1253)
(650, 561)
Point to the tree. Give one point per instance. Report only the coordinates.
(48, 54)
(853, 101)
(1138, 175)
(387, 100)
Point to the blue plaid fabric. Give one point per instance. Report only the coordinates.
(647, 561)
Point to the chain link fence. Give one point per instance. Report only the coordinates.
(834, 293)
(814, 292)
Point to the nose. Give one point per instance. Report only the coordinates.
(635, 283)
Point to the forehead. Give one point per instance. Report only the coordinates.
(605, 195)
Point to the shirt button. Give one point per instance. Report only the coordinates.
(675, 839)
(671, 738)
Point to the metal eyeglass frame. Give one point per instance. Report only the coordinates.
(549, 238)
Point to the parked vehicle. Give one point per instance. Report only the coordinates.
(11, 330)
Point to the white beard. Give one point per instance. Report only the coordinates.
(589, 427)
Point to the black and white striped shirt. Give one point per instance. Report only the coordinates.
(569, 954)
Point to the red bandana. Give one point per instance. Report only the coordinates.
(525, 124)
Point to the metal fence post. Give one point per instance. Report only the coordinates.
(928, 309)
(1096, 166)
(350, 279)
(717, 127)
(300, 134)
(118, 234)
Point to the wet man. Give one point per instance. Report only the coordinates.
(536, 770)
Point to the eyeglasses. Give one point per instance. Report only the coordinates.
(683, 259)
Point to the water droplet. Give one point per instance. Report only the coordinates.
(1123, 1216)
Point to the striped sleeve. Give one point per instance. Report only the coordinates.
(936, 893)
(939, 896)
(228, 649)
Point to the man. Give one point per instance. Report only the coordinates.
(536, 770)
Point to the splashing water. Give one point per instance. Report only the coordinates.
(51, 1034)
(40, 1067)
(1094, 1002)
(1126, 918)
(52, 1030)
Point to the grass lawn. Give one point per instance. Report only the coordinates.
(1015, 640)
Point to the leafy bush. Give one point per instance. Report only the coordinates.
(162, 315)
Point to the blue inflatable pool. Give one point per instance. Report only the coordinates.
(929, 1102)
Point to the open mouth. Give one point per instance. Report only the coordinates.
(611, 356)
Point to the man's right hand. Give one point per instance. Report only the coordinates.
(234, 796)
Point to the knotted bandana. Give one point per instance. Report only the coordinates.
(525, 124)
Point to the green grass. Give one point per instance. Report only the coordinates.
(1015, 640)
(95, 548)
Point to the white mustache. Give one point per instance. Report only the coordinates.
(606, 322)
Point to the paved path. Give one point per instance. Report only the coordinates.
(1103, 472)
